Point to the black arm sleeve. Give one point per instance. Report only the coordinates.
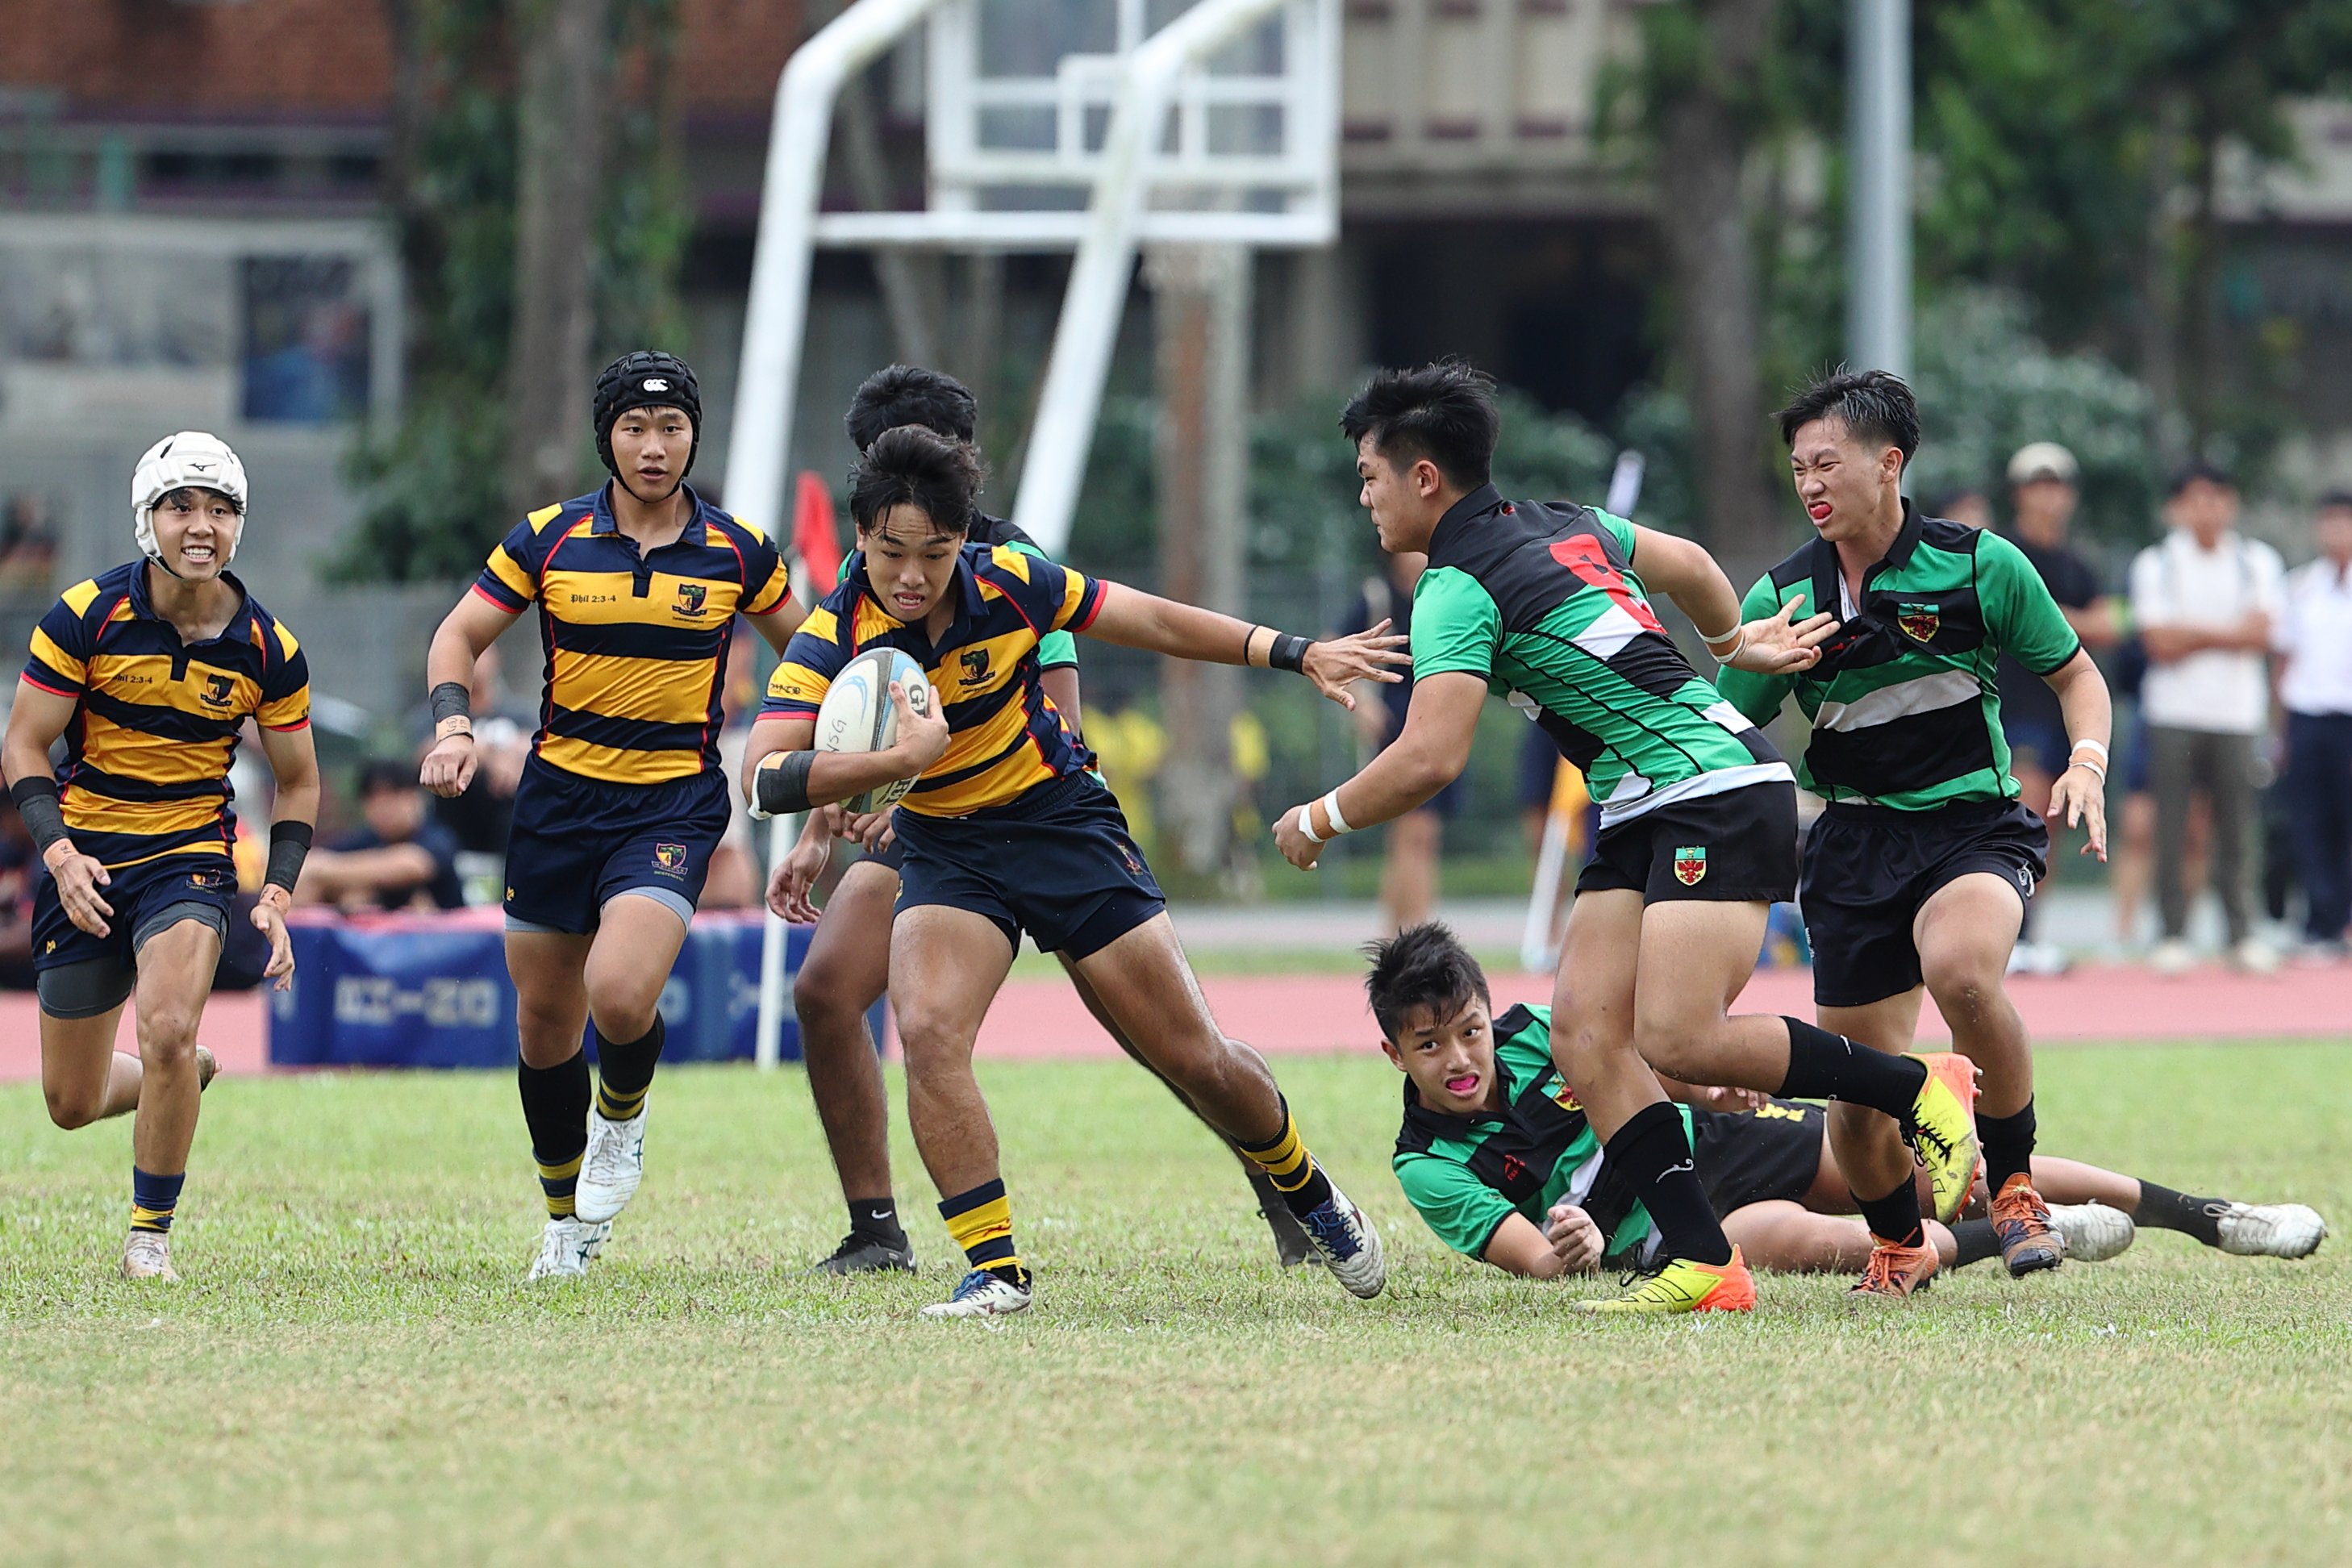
(36, 802)
(289, 844)
(781, 787)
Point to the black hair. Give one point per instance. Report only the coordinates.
(911, 395)
(1943, 503)
(2198, 472)
(382, 775)
(1444, 412)
(910, 465)
(2334, 501)
(1422, 966)
(1875, 405)
(178, 491)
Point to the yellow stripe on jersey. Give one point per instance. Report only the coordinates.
(81, 596)
(1010, 559)
(132, 754)
(86, 810)
(46, 649)
(613, 686)
(980, 667)
(146, 679)
(1021, 770)
(510, 575)
(616, 765)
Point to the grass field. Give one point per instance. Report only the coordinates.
(351, 1372)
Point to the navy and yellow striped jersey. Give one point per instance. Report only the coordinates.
(155, 720)
(1005, 737)
(637, 642)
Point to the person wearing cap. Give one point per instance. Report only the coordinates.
(148, 674)
(622, 798)
(2043, 478)
(2205, 599)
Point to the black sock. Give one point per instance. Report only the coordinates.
(1895, 1217)
(624, 1070)
(2167, 1210)
(1653, 1154)
(876, 1217)
(2007, 1144)
(555, 1108)
(1974, 1242)
(1822, 1066)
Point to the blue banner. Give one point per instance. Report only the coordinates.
(427, 992)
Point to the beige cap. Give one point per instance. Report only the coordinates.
(2043, 460)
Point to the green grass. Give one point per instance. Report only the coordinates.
(351, 1372)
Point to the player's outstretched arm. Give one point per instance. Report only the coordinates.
(1133, 618)
(294, 763)
(39, 717)
(1427, 755)
(457, 642)
(2080, 794)
(1567, 1243)
(1775, 643)
(783, 773)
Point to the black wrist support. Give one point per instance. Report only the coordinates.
(36, 802)
(289, 844)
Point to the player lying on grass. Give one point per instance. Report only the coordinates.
(1698, 820)
(848, 965)
(1497, 1155)
(148, 673)
(1010, 831)
(623, 798)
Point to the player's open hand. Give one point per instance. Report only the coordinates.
(1781, 644)
(1575, 1239)
(922, 734)
(448, 766)
(1336, 665)
(1290, 837)
(794, 878)
(2082, 796)
(269, 920)
(79, 876)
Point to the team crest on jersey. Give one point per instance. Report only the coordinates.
(975, 666)
(670, 859)
(216, 690)
(1565, 1097)
(1690, 864)
(691, 596)
(1918, 621)
(210, 881)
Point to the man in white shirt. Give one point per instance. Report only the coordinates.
(2314, 690)
(2205, 599)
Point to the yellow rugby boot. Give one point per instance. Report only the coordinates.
(1942, 1129)
(1683, 1286)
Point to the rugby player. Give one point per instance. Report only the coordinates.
(148, 673)
(1496, 1156)
(1917, 874)
(1009, 830)
(1698, 817)
(848, 965)
(622, 798)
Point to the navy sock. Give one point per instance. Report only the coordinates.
(153, 1199)
(2007, 1143)
(1822, 1066)
(555, 1108)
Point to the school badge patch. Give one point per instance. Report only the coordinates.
(1690, 864)
(691, 597)
(975, 666)
(1918, 621)
(670, 859)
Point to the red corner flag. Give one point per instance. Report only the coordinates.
(814, 538)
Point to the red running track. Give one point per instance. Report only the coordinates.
(1043, 1018)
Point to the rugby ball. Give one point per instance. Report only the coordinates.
(857, 715)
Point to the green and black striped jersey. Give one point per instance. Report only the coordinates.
(1905, 702)
(1466, 1174)
(1541, 602)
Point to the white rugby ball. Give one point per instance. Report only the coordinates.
(857, 715)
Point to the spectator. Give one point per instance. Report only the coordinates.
(1967, 506)
(400, 860)
(502, 731)
(1409, 864)
(2205, 599)
(2042, 481)
(2315, 690)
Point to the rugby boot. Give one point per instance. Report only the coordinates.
(1942, 1129)
(2093, 1232)
(147, 1255)
(207, 1069)
(612, 1166)
(2271, 1230)
(862, 1253)
(1350, 1246)
(984, 1294)
(1680, 1285)
(566, 1247)
(2021, 1224)
(1894, 1274)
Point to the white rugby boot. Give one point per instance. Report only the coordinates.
(613, 1165)
(147, 1255)
(1350, 1246)
(2093, 1232)
(2271, 1230)
(982, 1294)
(566, 1247)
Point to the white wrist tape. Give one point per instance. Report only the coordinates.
(1331, 810)
(2090, 746)
(1307, 824)
(1726, 658)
